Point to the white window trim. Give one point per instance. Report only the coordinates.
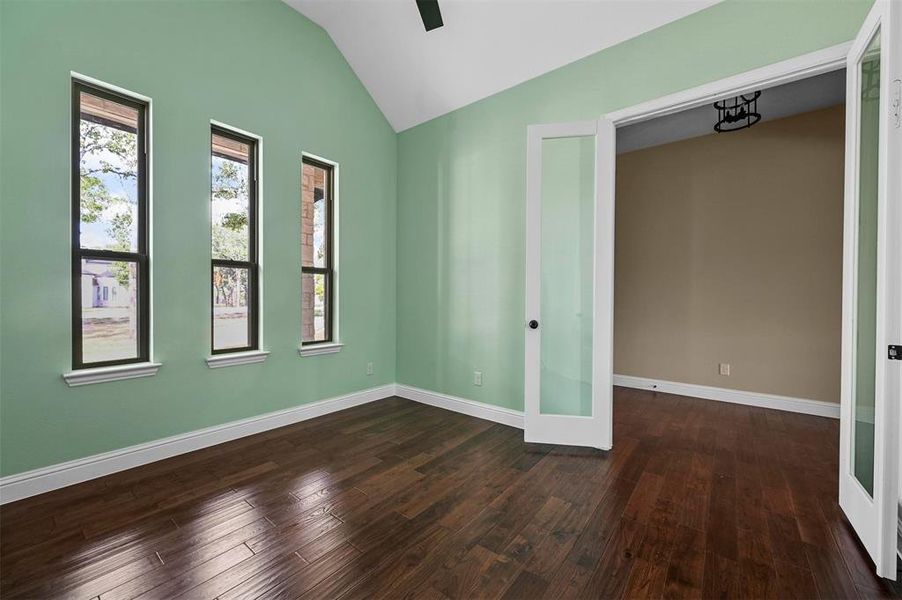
(238, 358)
(114, 373)
(336, 344)
(317, 349)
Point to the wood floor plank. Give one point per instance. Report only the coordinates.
(388, 576)
(723, 577)
(293, 577)
(686, 571)
(612, 574)
(526, 585)
(176, 563)
(793, 581)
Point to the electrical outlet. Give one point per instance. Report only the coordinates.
(477, 377)
(369, 368)
(724, 368)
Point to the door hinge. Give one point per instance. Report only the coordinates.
(894, 352)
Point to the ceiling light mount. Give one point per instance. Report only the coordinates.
(738, 112)
(430, 13)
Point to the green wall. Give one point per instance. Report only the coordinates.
(461, 181)
(257, 65)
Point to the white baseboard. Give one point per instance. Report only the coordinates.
(30, 483)
(22, 485)
(481, 410)
(796, 405)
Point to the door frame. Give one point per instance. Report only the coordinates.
(787, 71)
(801, 67)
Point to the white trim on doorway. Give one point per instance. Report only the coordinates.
(548, 428)
(787, 71)
(794, 69)
(801, 67)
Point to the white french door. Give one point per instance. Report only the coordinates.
(569, 283)
(872, 286)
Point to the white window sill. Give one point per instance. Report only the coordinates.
(316, 349)
(238, 358)
(114, 373)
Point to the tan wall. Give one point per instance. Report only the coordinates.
(729, 249)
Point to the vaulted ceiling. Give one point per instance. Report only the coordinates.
(485, 46)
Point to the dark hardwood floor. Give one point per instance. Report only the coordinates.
(398, 499)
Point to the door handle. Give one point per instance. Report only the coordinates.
(533, 324)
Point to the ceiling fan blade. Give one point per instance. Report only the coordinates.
(430, 13)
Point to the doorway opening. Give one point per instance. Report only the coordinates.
(870, 263)
(728, 260)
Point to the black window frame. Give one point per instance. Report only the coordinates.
(329, 269)
(252, 264)
(141, 258)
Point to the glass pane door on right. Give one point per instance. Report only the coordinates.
(872, 286)
(863, 397)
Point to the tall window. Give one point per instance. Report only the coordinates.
(317, 185)
(110, 283)
(233, 198)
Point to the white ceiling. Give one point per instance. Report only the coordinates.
(485, 46)
(777, 102)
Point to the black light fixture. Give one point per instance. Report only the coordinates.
(737, 113)
(430, 13)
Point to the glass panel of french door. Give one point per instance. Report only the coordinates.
(567, 251)
(864, 392)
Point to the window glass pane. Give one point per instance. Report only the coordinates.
(230, 198)
(866, 335)
(231, 326)
(314, 307)
(314, 215)
(108, 169)
(109, 310)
